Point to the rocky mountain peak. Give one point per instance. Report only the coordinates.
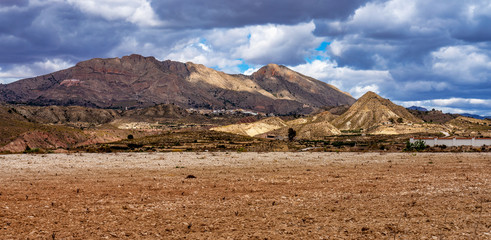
(272, 70)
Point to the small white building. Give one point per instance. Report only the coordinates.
(453, 142)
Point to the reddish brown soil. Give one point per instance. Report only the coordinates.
(246, 196)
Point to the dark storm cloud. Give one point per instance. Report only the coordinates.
(10, 3)
(55, 31)
(474, 32)
(429, 26)
(225, 13)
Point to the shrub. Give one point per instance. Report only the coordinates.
(134, 145)
(291, 134)
(32, 150)
(418, 145)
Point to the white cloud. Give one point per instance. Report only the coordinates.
(453, 105)
(356, 82)
(255, 45)
(460, 101)
(337, 47)
(32, 70)
(358, 91)
(197, 51)
(277, 43)
(131, 45)
(389, 14)
(139, 12)
(462, 64)
(251, 70)
(416, 17)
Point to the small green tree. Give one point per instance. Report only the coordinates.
(291, 134)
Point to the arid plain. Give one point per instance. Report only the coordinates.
(246, 196)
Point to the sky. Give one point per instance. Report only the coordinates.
(430, 53)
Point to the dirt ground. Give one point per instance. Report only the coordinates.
(246, 196)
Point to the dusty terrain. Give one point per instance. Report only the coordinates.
(246, 196)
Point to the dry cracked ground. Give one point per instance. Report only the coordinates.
(246, 196)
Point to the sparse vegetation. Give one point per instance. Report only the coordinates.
(32, 150)
(418, 145)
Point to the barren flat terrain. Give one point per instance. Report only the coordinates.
(246, 196)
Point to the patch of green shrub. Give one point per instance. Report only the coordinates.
(418, 145)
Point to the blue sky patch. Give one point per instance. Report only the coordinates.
(310, 59)
(323, 46)
(243, 66)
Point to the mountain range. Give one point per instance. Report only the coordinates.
(108, 100)
(135, 81)
(475, 116)
(422, 109)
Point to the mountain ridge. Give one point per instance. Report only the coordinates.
(137, 81)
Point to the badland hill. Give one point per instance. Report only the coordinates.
(370, 114)
(370, 111)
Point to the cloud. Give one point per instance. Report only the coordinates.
(255, 45)
(240, 13)
(464, 64)
(13, 3)
(454, 105)
(277, 43)
(251, 70)
(44, 31)
(474, 25)
(356, 82)
(139, 12)
(17, 72)
(399, 32)
(428, 47)
(199, 51)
